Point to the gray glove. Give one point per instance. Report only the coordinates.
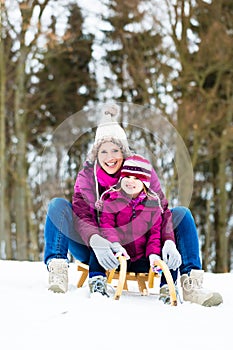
(153, 258)
(119, 250)
(170, 255)
(103, 250)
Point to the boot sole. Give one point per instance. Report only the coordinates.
(215, 300)
(57, 289)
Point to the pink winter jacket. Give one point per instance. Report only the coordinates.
(85, 196)
(135, 224)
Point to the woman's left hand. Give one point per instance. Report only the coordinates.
(170, 255)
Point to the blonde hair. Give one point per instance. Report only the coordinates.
(93, 155)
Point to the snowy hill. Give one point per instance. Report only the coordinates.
(34, 318)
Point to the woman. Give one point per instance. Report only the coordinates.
(81, 236)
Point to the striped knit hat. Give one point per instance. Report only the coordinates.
(139, 167)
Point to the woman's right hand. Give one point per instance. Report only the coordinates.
(103, 250)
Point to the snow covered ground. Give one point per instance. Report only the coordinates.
(34, 318)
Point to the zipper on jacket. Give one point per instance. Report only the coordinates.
(134, 213)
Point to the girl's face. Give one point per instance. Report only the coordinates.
(110, 157)
(132, 186)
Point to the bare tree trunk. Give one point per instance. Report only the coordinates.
(221, 204)
(33, 252)
(3, 233)
(20, 183)
(206, 248)
(2, 157)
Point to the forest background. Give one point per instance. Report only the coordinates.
(61, 57)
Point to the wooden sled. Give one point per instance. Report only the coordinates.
(123, 276)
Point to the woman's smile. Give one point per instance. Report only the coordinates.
(110, 157)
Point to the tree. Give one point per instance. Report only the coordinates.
(66, 84)
(42, 86)
(215, 88)
(15, 105)
(203, 93)
(190, 64)
(133, 52)
(66, 81)
(4, 246)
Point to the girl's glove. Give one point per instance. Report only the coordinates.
(119, 250)
(170, 255)
(152, 259)
(103, 250)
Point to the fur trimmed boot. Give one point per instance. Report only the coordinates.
(58, 275)
(194, 292)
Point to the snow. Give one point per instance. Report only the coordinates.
(34, 318)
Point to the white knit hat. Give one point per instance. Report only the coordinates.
(108, 126)
(109, 130)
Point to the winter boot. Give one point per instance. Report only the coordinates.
(98, 284)
(164, 294)
(58, 275)
(194, 292)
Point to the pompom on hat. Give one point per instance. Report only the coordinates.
(108, 126)
(109, 130)
(139, 167)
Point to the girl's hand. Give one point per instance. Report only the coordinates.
(119, 250)
(153, 258)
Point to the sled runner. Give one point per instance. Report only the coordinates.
(141, 278)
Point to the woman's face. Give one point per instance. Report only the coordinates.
(110, 157)
(132, 186)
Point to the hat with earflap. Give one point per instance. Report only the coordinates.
(139, 167)
(109, 130)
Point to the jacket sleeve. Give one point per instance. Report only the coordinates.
(167, 231)
(154, 238)
(83, 204)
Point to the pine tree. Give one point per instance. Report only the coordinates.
(66, 81)
(66, 85)
(133, 52)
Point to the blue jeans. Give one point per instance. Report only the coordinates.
(60, 237)
(187, 241)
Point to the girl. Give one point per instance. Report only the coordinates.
(131, 219)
